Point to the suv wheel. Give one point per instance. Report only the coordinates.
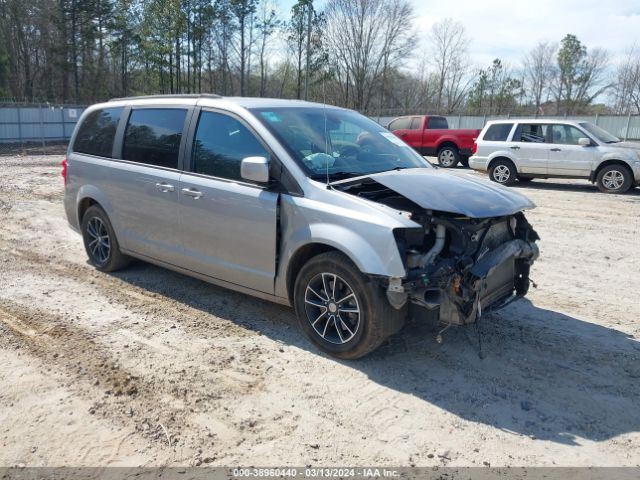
(448, 157)
(614, 179)
(503, 172)
(100, 241)
(341, 310)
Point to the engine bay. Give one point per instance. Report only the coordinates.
(456, 264)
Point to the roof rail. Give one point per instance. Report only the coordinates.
(175, 95)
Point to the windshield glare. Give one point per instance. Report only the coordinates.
(337, 143)
(600, 134)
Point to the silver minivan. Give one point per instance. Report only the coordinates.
(307, 205)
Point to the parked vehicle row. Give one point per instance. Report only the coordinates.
(524, 149)
(521, 150)
(303, 204)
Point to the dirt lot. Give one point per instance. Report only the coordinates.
(148, 367)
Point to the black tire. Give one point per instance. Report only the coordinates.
(503, 172)
(464, 161)
(448, 156)
(105, 255)
(614, 179)
(376, 319)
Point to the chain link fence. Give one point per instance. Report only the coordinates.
(37, 129)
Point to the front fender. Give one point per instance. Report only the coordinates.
(374, 258)
(371, 247)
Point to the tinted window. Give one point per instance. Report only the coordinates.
(565, 135)
(96, 134)
(415, 123)
(531, 133)
(400, 124)
(438, 123)
(498, 132)
(153, 136)
(220, 145)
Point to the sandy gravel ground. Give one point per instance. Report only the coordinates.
(148, 367)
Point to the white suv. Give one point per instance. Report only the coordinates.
(521, 150)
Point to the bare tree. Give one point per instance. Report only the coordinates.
(243, 10)
(268, 24)
(539, 68)
(626, 90)
(366, 38)
(449, 48)
(304, 25)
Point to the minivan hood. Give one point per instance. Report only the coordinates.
(454, 193)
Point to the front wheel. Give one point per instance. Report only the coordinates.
(448, 157)
(614, 179)
(341, 310)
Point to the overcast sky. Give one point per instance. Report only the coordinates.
(509, 28)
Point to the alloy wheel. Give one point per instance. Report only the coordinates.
(99, 241)
(613, 180)
(501, 173)
(332, 308)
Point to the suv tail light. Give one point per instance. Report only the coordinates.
(64, 171)
(474, 149)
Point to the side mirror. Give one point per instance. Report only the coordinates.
(584, 142)
(255, 169)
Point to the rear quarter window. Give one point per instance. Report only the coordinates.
(97, 132)
(498, 132)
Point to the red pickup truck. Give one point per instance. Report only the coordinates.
(430, 135)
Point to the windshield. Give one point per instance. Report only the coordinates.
(337, 143)
(599, 133)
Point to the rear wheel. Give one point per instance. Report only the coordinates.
(100, 241)
(448, 156)
(341, 310)
(614, 179)
(503, 172)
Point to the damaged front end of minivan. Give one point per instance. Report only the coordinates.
(470, 256)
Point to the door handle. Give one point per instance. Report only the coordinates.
(556, 149)
(165, 187)
(514, 147)
(192, 192)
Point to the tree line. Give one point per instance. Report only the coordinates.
(361, 54)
